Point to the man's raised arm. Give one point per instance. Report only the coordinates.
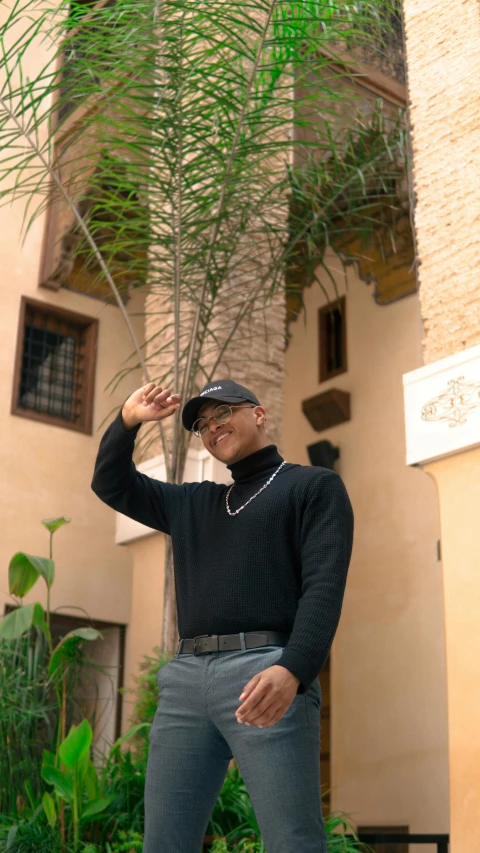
(116, 480)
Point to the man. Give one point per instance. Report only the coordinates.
(260, 573)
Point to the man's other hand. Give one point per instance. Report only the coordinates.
(267, 696)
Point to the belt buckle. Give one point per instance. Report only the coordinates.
(207, 651)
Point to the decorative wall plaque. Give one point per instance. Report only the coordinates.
(442, 407)
(454, 404)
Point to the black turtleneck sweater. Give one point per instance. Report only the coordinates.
(280, 564)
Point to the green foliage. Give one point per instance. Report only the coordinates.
(233, 815)
(63, 785)
(124, 783)
(220, 845)
(363, 184)
(128, 842)
(49, 809)
(28, 717)
(145, 692)
(66, 764)
(76, 784)
(67, 649)
(33, 836)
(53, 524)
(16, 623)
(24, 570)
(123, 770)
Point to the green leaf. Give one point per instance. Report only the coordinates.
(48, 758)
(91, 781)
(39, 619)
(55, 777)
(24, 570)
(52, 524)
(49, 808)
(67, 647)
(29, 793)
(81, 766)
(22, 574)
(17, 622)
(131, 733)
(77, 744)
(46, 568)
(11, 835)
(95, 807)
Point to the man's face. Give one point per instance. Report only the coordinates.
(242, 435)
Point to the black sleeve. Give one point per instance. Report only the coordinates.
(326, 545)
(117, 482)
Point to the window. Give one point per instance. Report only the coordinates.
(55, 366)
(332, 339)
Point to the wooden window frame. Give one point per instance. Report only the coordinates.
(363, 76)
(324, 373)
(90, 326)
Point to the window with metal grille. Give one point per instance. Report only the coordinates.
(55, 366)
(332, 339)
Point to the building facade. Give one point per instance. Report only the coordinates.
(442, 398)
(368, 390)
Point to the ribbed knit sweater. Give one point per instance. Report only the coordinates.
(281, 564)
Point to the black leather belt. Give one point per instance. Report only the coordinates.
(207, 643)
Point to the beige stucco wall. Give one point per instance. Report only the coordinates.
(145, 628)
(458, 481)
(443, 57)
(47, 470)
(389, 728)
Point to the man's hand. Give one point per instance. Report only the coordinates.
(149, 403)
(267, 696)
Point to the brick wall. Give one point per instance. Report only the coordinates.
(443, 62)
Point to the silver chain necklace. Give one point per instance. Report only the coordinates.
(256, 493)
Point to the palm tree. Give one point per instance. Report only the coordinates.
(179, 146)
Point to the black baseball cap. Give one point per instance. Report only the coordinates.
(223, 390)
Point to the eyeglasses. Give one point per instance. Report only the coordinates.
(221, 415)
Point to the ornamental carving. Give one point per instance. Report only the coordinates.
(455, 403)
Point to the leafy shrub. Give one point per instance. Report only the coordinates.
(28, 716)
(128, 842)
(30, 836)
(145, 693)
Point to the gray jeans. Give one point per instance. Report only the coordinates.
(194, 736)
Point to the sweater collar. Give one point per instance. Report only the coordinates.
(257, 465)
